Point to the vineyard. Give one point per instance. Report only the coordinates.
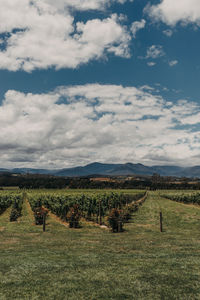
(90, 261)
(186, 198)
(11, 198)
(112, 209)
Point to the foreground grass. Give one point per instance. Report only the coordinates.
(92, 263)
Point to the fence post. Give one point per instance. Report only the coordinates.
(161, 221)
(119, 227)
(100, 218)
(44, 222)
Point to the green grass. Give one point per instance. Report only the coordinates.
(93, 263)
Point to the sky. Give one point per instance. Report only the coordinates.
(111, 81)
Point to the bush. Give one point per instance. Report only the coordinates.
(115, 220)
(74, 216)
(39, 214)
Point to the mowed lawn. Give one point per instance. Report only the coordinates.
(93, 263)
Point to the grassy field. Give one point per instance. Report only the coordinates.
(93, 263)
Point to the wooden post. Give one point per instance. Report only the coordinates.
(119, 229)
(44, 222)
(161, 225)
(100, 218)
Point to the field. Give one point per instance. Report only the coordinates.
(91, 262)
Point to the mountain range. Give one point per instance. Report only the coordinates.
(113, 170)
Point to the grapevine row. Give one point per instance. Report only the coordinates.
(16, 211)
(184, 198)
(91, 206)
(5, 201)
(11, 198)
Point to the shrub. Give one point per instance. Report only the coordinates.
(74, 216)
(39, 214)
(115, 220)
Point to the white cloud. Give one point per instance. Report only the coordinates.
(171, 12)
(42, 34)
(193, 119)
(155, 51)
(84, 4)
(151, 63)
(136, 26)
(168, 32)
(109, 123)
(173, 63)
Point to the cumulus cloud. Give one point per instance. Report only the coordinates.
(151, 63)
(43, 34)
(155, 51)
(173, 63)
(168, 32)
(84, 4)
(79, 124)
(171, 12)
(136, 26)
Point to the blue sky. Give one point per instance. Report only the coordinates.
(99, 80)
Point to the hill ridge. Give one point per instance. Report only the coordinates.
(110, 169)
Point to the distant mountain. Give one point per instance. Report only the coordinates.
(169, 170)
(129, 169)
(113, 170)
(31, 171)
(91, 169)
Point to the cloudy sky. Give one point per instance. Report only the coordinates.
(99, 80)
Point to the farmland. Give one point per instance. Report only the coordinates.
(92, 262)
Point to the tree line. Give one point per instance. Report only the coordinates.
(30, 181)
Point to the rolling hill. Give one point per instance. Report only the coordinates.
(113, 170)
